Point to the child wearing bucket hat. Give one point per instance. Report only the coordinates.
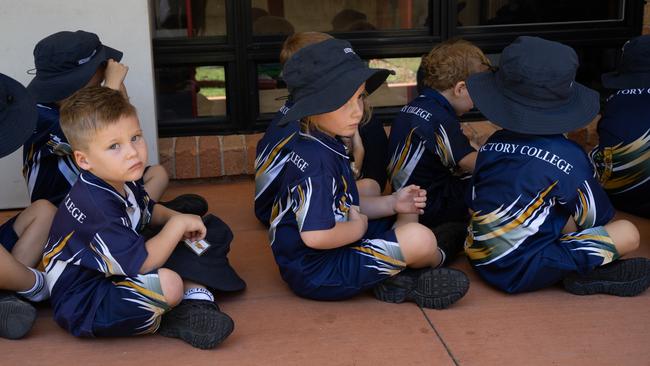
(66, 62)
(22, 237)
(322, 240)
(427, 146)
(621, 157)
(106, 279)
(538, 214)
(276, 145)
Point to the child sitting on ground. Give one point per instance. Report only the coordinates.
(621, 158)
(23, 236)
(538, 214)
(105, 279)
(367, 146)
(67, 62)
(427, 146)
(320, 235)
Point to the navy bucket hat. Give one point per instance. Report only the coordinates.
(323, 76)
(212, 268)
(633, 69)
(533, 91)
(18, 115)
(65, 62)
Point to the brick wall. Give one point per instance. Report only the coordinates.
(220, 156)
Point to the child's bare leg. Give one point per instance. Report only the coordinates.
(403, 219)
(624, 234)
(418, 245)
(368, 187)
(32, 227)
(570, 226)
(14, 275)
(171, 285)
(155, 181)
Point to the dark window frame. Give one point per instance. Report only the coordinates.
(239, 51)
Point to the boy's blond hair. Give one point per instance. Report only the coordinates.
(451, 62)
(299, 40)
(89, 110)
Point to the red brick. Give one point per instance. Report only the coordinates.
(234, 162)
(210, 156)
(186, 154)
(232, 142)
(251, 145)
(166, 155)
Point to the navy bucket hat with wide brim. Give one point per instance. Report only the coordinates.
(212, 269)
(324, 76)
(633, 69)
(534, 91)
(18, 115)
(65, 62)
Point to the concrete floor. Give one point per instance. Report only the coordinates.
(274, 327)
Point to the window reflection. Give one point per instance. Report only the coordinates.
(189, 18)
(190, 92)
(289, 16)
(510, 12)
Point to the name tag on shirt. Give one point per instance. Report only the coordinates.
(198, 247)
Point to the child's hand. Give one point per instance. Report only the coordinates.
(356, 216)
(409, 200)
(193, 227)
(115, 74)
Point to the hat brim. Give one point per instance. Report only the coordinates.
(19, 120)
(616, 80)
(46, 89)
(212, 269)
(580, 109)
(218, 275)
(336, 93)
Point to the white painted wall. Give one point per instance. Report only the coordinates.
(121, 24)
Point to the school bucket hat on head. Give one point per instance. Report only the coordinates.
(533, 91)
(65, 62)
(18, 115)
(633, 70)
(212, 268)
(323, 76)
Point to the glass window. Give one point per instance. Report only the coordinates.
(398, 90)
(190, 92)
(511, 12)
(189, 18)
(289, 16)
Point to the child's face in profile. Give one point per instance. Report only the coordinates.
(345, 120)
(117, 153)
(462, 102)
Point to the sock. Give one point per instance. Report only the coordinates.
(198, 293)
(39, 291)
(443, 257)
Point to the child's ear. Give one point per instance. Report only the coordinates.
(82, 160)
(460, 88)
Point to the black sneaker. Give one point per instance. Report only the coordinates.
(625, 277)
(197, 322)
(16, 316)
(451, 239)
(433, 288)
(188, 203)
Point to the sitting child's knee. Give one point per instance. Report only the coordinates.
(171, 285)
(624, 234)
(418, 240)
